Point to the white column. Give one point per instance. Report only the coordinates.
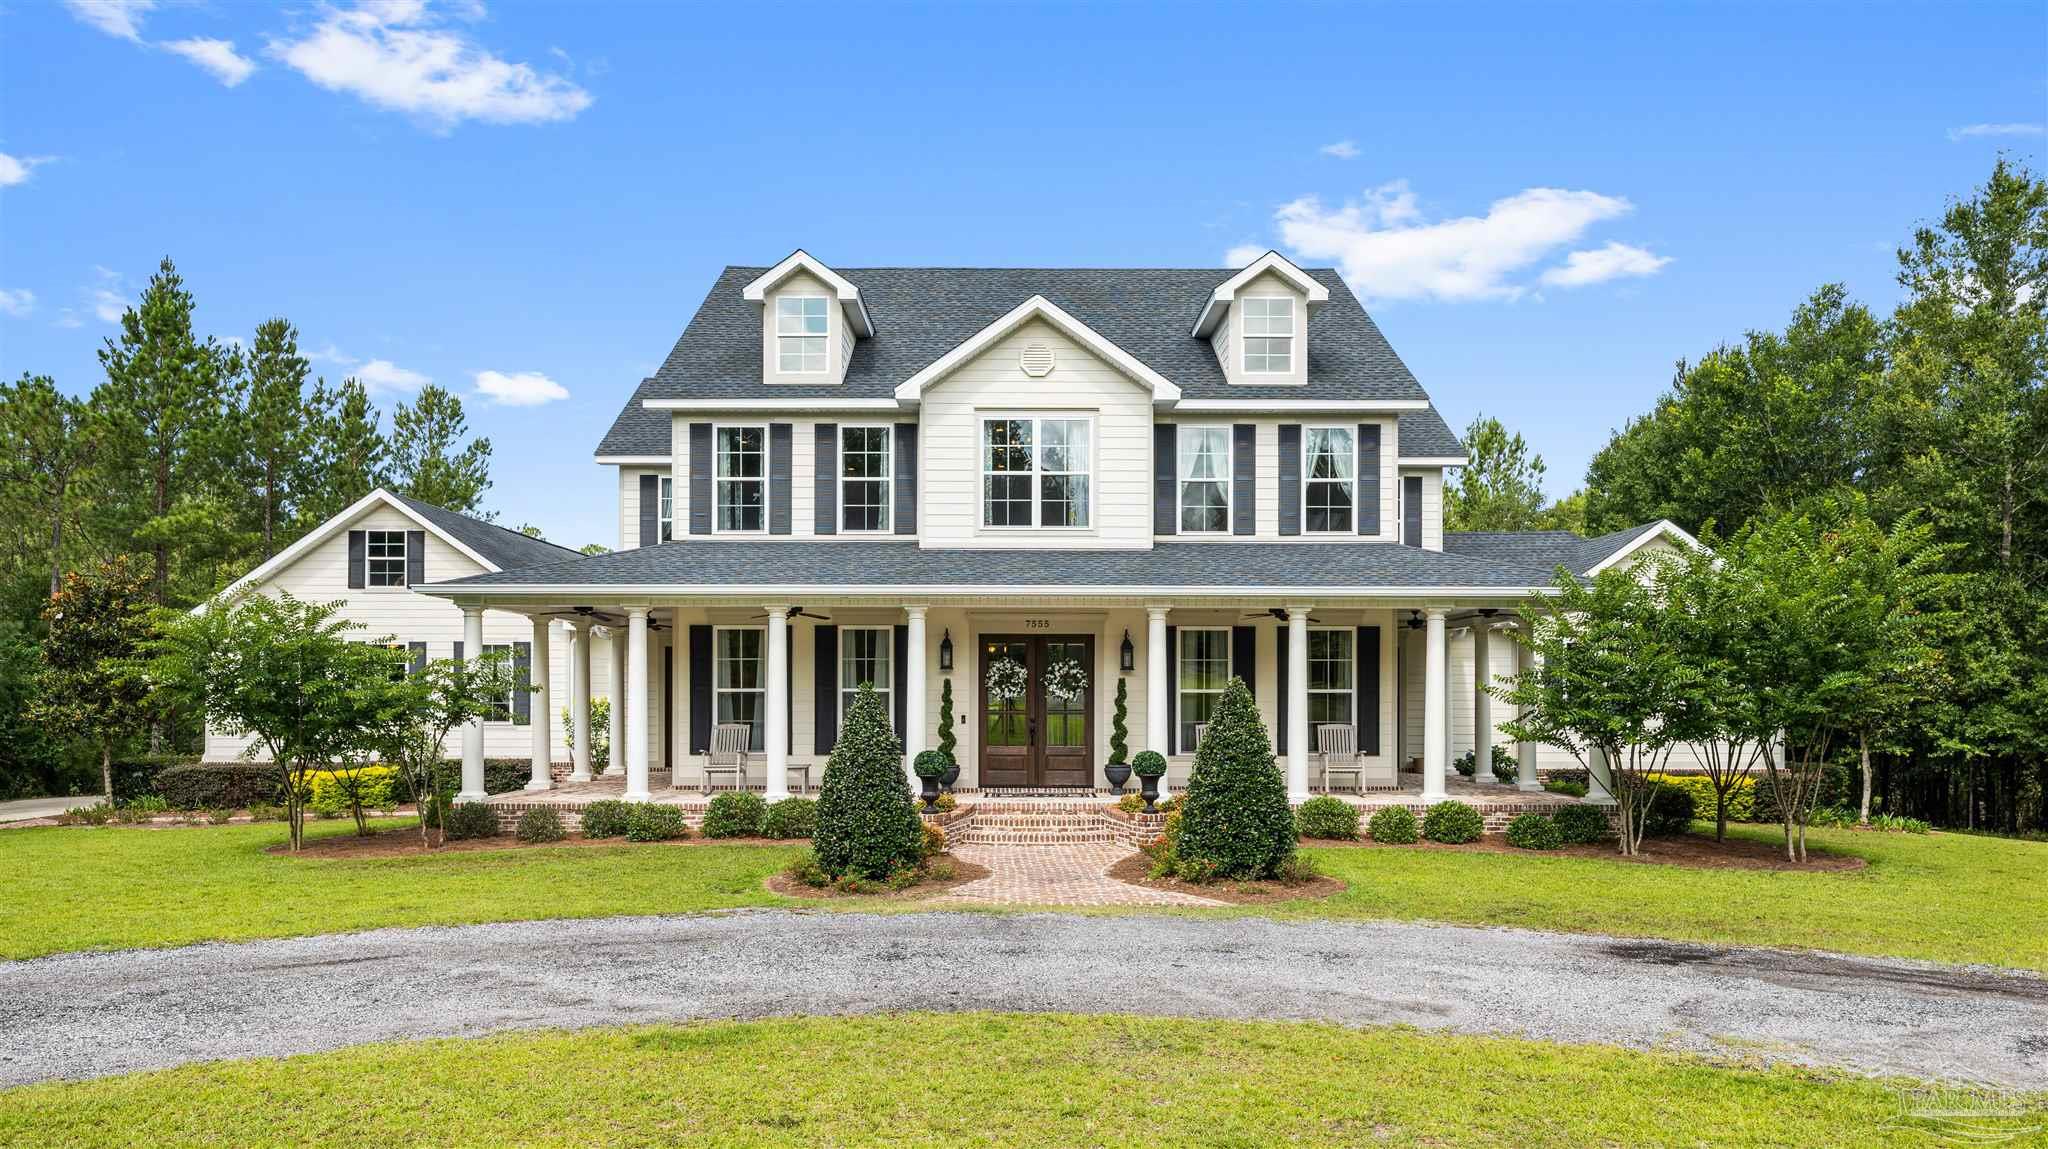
(1436, 748)
(540, 708)
(778, 702)
(1450, 724)
(1482, 702)
(1297, 703)
(636, 704)
(473, 731)
(1525, 752)
(913, 682)
(579, 701)
(615, 760)
(1156, 735)
(1599, 779)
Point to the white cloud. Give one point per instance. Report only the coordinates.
(17, 302)
(107, 305)
(1342, 149)
(1969, 131)
(331, 354)
(519, 389)
(396, 54)
(216, 56)
(15, 170)
(1243, 254)
(69, 318)
(1615, 261)
(121, 18)
(382, 375)
(1387, 249)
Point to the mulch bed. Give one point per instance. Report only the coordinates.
(406, 844)
(1135, 869)
(963, 873)
(1693, 851)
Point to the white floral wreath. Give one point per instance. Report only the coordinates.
(1007, 679)
(1066, 679)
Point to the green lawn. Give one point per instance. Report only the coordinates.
(966, 1079)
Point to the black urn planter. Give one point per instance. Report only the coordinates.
(1150, 790)
(952, 776)
(1118, 773)
(931, 790)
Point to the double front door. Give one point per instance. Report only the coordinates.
(1030, 735)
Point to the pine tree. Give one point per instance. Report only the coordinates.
(1501, 489)
(429, 462)
(276, 425)
(347, 456)
(46, 439)
(867, 825)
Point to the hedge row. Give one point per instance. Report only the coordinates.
(207, 785)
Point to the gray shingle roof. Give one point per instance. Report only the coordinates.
(1538, 554)
(831, 565)
(506, 549)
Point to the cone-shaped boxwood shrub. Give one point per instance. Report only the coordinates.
(1395, 825)
(1327, 817)
(1452, 823)
(735, 814)
(606, 818)
(1534, 832)
(790, 818)
(867, 826)
(1235, 816)
(1579, 824)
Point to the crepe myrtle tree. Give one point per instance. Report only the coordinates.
(420, 712)
(1706, 600)
(99, 623)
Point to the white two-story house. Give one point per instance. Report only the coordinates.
(1159, 478)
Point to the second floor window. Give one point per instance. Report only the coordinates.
(668, 509)
(1268, 335)
(741, 497)
(864, 658)
(1204, 460)
(801, 325)
(385, 555)
(864, 474)
(1328, 460)
(1035, 472)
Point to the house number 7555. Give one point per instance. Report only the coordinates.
(1037, 624)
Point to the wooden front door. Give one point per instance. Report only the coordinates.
(1038, 738)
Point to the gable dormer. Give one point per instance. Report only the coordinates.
(810, 319)
(1257, 322)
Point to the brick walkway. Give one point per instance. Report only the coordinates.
(1067, 875)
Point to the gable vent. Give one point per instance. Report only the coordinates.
(1037, 361)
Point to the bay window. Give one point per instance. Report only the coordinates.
(1036, 472)
(1329, 459)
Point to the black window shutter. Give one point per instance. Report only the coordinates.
(700, 481)
(1244, 479)
(825, 486)
(650, 510)
(1290, 478)
(1411, 510)
(1367, 716)
(1280, 732)
(781, 445)
(900, 691)
(1165, 479)
(700, 689)
(903, 444)
(825, 686)
(522, 678)
(415, 557)
(458, 650)
(1172, 690)
(419, 656)
(1244, 656)
(1368, 478)
(358, 555)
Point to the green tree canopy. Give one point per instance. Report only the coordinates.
(430, 461)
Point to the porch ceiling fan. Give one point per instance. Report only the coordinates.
(592, 614)
(1275, 612)
(800, 612)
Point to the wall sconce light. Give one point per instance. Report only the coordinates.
(1127, 655)
(946, 650)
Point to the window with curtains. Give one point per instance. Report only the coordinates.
(668, 509)
(385, 558)
(739, 679)
(864, 657)
(801, 324)
(1329, 457)
(1203, 456)
(864, 477)
(1203, 672)
(1035, 472)
(740, 500)
(1331, 671)
(1268, 335)
(501, 708)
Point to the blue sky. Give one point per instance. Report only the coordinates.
(1544, 206)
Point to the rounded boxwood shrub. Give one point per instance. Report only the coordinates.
(1149, 764)
(606, 818)
(867, 827)
(790, 818)
(1395, 826)
(1235, 815)
(1670, 813)
(541, 825)
(1534, 832)
(1327, 817)
(1452, 823)
(1577, 825)
(735, 814)
(205, 785)
(931, 763)
(651, 823)
(470, 820)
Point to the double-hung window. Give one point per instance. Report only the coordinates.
(668, 508)
(1330, 672)
(739, 679)
(1268, 335)
(740, 501)
(1035, 472)
(1329, 461)
(385, 556)
(801, 325)
(1203, 457)
(1203, 673)
(864, 478)
(501, 708)
(864, 653)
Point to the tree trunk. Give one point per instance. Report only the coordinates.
(57, 541)
(1863, 746)
(107, 770)
(269, 503)
(1720, 815)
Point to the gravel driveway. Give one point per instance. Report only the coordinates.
(83, 1015)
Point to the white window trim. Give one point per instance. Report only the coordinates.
(1352, 431)
(775, 319)
(888, 478)
(1244, 338)
(1180, 688)
(1180, 502)
(983, 419)
(665, 509)
(716, 480)
(404, 556)
(510, 652)
(886, 689)
(716, 690)
(1352, 693)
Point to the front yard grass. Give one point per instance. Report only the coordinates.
(966, 1079)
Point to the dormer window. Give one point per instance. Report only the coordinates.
(1268, 335)
(801, 325)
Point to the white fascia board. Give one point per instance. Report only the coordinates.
(1038, 307)
(1361, 406)
(329, 529)
(752, 592)
(634, 460)
(801, 260)
(1662, 528)
(1433, 461)
(1226, 292)
(771, 404)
